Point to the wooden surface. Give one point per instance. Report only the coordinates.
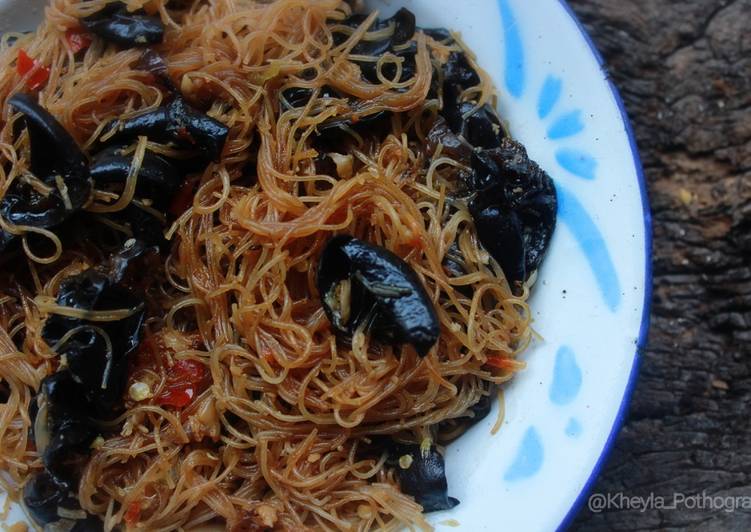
(684, 70)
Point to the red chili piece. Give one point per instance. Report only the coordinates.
(500, 362)
(39, 73)
(77, 40)
(133, 514)
(185, 380)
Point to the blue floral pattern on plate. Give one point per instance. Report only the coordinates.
(561, 126)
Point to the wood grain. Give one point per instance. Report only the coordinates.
(684, 70)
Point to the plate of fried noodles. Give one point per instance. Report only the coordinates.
(311, 265)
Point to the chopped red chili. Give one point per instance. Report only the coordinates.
(39, 73)
(77, 40)
(133, 514)
(185, 380)
(501, 362)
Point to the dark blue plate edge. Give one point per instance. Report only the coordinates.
(644, 328)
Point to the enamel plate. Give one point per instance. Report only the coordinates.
(591, 300)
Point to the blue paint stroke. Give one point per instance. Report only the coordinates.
(566, 125)
(577, 162)
(528, 459)
(576, 218)
(549, 95)
(573, 428)
(513, 49)
(567, 377)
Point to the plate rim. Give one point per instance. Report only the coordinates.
(647, 303)
(623, 408)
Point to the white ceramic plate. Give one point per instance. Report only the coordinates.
(591, 301)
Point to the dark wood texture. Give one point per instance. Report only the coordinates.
(684, 70)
